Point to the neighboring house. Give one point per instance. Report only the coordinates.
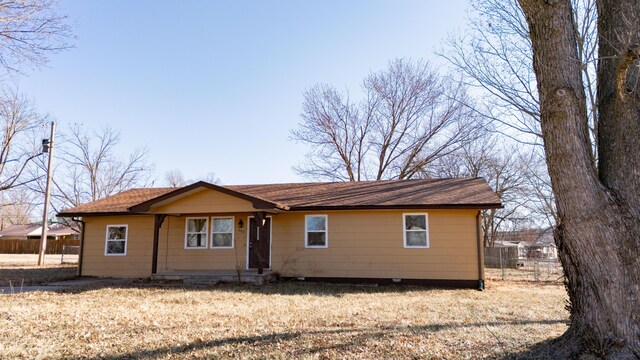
(409, 231)
(544, 246)
(532, 243)
(18, 232)
(25, 239)
(516, 242)
(56, 231)
(524, 236)
(503, 254)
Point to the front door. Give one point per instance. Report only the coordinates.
(259, 244)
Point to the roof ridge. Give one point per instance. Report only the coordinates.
(360, 182)
(306, 183)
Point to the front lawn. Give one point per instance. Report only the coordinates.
(286, 320)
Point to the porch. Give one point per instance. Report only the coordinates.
(211, 277)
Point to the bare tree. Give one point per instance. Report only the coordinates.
(89, 168)
(598, 231)
(210, 177)
(19, 121)
(495, 57)
(537, 194)
(503, 169)
(409, 118)
(332, 125)
(16, 207)
(174, 178)
(30, 30)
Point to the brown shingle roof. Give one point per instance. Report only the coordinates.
(15, 231)
(116, 204)
(426, 193)
(372, 194)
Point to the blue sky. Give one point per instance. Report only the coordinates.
(216, 86)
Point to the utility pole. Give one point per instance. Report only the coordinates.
(47, 147)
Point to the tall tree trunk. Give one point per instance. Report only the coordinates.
(598, 233)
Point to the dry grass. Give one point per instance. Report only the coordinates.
(17, 275)
(286, 320)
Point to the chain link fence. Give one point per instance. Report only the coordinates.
(507, 263)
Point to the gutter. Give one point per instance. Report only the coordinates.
(94, 213)
(81, 245)
(396, 207)
(480, 264)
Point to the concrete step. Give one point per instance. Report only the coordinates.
(214, 277)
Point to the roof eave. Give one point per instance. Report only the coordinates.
(321, 208)
(93, 213)
(400, 207)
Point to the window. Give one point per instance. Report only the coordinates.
(196, 233)
(416, 231)
(116, 242)
(222, 232)
(315, 231)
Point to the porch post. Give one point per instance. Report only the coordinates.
(159, 219)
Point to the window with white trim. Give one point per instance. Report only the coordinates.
(116, 240)
(222, 232)
(416, 230)
(316, 231)
(196, 232)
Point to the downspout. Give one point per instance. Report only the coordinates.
(479, 241)
(81, 245)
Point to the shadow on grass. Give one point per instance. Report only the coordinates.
(21, 275)
(277, 288)
(539, 351)
(349, 338)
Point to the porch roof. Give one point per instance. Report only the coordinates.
(463, 193)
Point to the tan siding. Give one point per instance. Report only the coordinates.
(205, 201)
(362, 244)
(172, 237)
(137, 262)
(369, 244)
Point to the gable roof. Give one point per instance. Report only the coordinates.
(464, 193)
(257, 201)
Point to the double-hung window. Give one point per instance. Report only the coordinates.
(196, 233)
(416, 230)
(316, 230)
(222, 232)
(116, 242)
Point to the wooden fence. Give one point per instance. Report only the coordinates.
(32, 246)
